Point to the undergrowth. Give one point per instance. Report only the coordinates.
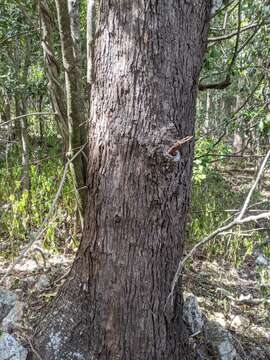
(23, 212)
(216, 200)
(213, 202)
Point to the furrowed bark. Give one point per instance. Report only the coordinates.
(148, 55)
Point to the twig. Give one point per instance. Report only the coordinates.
(232, 34)
(34, 351)
(233, 116)
(42, 226)
(26, 115)
(222, 9)
(247, 201)
(227, 81)
(239, 220)
(173, 150)
(17, 35)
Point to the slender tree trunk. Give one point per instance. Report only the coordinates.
(5, 118)
(52, 70)
(90, 35)
(21, 128)
(74, 15)
(207, 112)
(68, 104)
(75, 108)
(41, 120)
(25, 154)
(148, 55)
(238, 140)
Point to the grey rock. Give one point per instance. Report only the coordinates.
(14, 317)
(11, 349)
(261, 260)
(192, 315)
(27, 266)
(42, 283)
(239, 322)
(221, 340)
(7, 301)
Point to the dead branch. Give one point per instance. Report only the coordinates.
(238, 220)
(173, 149)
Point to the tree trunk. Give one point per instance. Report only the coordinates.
(90, 34)
(238, 140)
(52, 70)
(148, 55)
(74, 15)
(41, 120)
(21, 125)
(206, 126)
(75, 108)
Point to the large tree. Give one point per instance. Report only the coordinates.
(148, 55)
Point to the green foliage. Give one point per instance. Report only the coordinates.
(213, 203)
(206, 149)
(25, 211)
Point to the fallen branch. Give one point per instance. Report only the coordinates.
(238, 220)
(42, 227)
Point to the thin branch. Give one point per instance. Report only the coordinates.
(232, 34)
(42, 227)
(247, 201)
(27, 32)
(222, 9)
(227, 81)
(239, 220)
(234, 115)
(250, 38)
(236, 47)
(26, 115)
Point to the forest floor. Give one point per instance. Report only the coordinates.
(235, 299)
(232, 297)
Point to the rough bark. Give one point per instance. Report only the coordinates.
(148, 55)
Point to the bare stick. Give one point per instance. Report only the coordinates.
(42, 227)
(247, 201)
